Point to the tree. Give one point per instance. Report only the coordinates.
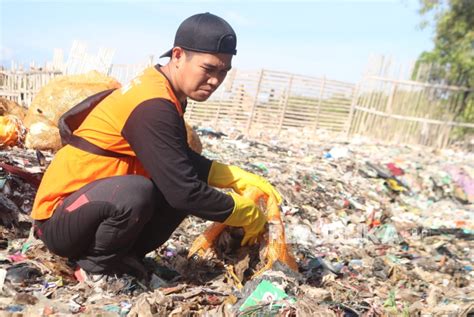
(453, 47)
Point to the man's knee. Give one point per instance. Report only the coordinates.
(142, 195)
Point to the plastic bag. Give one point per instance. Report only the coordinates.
(12, 131)
(275, 242)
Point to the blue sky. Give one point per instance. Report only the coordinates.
(316, 38)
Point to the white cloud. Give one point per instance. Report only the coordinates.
(6, 53)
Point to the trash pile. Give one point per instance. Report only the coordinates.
(376, 230)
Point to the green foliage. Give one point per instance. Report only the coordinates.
(453, 50)
(454, 41)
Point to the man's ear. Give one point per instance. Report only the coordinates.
(177, 53)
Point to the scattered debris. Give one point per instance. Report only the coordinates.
(376, 231)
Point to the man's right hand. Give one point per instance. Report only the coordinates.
(229, 176)
(246, 215)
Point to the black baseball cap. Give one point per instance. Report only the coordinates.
(207, 33)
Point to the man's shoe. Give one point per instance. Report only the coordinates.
(134, 266)
(110, 284)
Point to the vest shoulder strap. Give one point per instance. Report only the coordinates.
(72, 119)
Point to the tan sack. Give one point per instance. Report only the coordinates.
(54, 99)
(43, 136)
(11, 107)
(64, 92)
(193, 139)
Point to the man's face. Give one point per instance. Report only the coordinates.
(200, 74)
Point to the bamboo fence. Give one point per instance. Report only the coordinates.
(384, 105)
(406, 111)
(21, 86)
(275, 101)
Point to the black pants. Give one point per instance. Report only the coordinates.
(108, 219)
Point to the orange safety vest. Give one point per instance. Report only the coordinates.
(72, 168)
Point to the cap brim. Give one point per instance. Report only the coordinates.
(167, 54)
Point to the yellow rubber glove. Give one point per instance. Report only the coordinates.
(229, 176)
(246, 215)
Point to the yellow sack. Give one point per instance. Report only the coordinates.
(54, 99)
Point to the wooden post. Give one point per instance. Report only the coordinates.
(390, 98)
(389, 125)
(285, 104)
(376, 122)
(355, 97)
(189, 110)
(219, 106)
(254, 104)
(357, 115)
(371, 85)
(318, 109)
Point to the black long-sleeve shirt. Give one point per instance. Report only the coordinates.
(157, 134)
